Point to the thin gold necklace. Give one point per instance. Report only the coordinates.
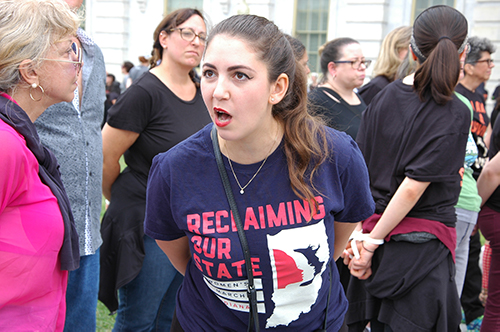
(242, 189)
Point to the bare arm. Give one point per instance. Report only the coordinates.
(487, 136)
(114, 144)
(342, 232)
(489, 179)
(405, 198)
(177, 251)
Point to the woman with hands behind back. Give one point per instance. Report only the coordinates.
(413, 137)
(39, 66)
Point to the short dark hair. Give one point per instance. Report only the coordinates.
(477, 47)
(332, 51)
(128, 65)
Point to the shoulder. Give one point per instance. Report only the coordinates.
(340, 145)
(13, 143)
(192, 152)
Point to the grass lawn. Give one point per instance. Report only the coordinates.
(105, 322)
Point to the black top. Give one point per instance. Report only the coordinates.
(370, 89)
(400, 136)
(161, 118)
(338, 115)
(494, 201)
(480, 122)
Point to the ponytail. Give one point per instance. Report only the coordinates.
(439, 36)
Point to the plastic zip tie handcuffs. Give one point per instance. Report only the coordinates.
(359, 236)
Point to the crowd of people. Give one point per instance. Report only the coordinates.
(250, 200)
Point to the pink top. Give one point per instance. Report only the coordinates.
(32, 284)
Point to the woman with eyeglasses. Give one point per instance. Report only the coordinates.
(413, 137)
(39, 66)
(160, 109)
(343, 65)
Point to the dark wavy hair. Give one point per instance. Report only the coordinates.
(438, 33)
(305, 143)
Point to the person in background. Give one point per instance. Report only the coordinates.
(72, 131)
(299, 50)
(299, 185)
(314, 82)
(489, 218)
(413, 137)
(111, 84)
(39, 67)
(138, 71)
(126, 66)
(160, 109)
(477, 70)
(343, 65)
(393, 51)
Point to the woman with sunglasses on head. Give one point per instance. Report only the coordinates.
(413, 137)
(343, 66)
(160, 109)
(39, 66)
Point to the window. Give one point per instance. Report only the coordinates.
(172, 5)
(420, 5)
(311, 25)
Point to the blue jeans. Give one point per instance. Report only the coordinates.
(147, 303)
(81, 296)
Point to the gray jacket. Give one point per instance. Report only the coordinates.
(75, 138)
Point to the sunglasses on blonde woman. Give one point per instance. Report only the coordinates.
(74, 52)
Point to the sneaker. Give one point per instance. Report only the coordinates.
(475, 325)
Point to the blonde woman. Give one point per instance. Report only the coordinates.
(393, 51)
(39, 66)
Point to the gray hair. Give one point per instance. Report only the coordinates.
(477, 47)
(28, 28)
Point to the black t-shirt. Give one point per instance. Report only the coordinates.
(494, 201)
(340, 116)
(400, 136)
(162, 119)
(370, 90)
(480, 122)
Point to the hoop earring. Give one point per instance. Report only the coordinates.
(34, 86)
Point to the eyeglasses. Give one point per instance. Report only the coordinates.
(488, 61)
(75, 52)
(188, 34)
(356, 64)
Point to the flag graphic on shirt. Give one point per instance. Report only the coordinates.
(298, 258)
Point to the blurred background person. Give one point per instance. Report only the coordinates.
(137, 71)
(126, 66)
(160, 109)
(477, 70)
(39, 66)
(343, 66)
(299, 51)
(393, 51)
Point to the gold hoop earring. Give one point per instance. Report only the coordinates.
(34, 86)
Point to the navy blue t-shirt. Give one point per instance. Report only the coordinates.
(290, 250)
